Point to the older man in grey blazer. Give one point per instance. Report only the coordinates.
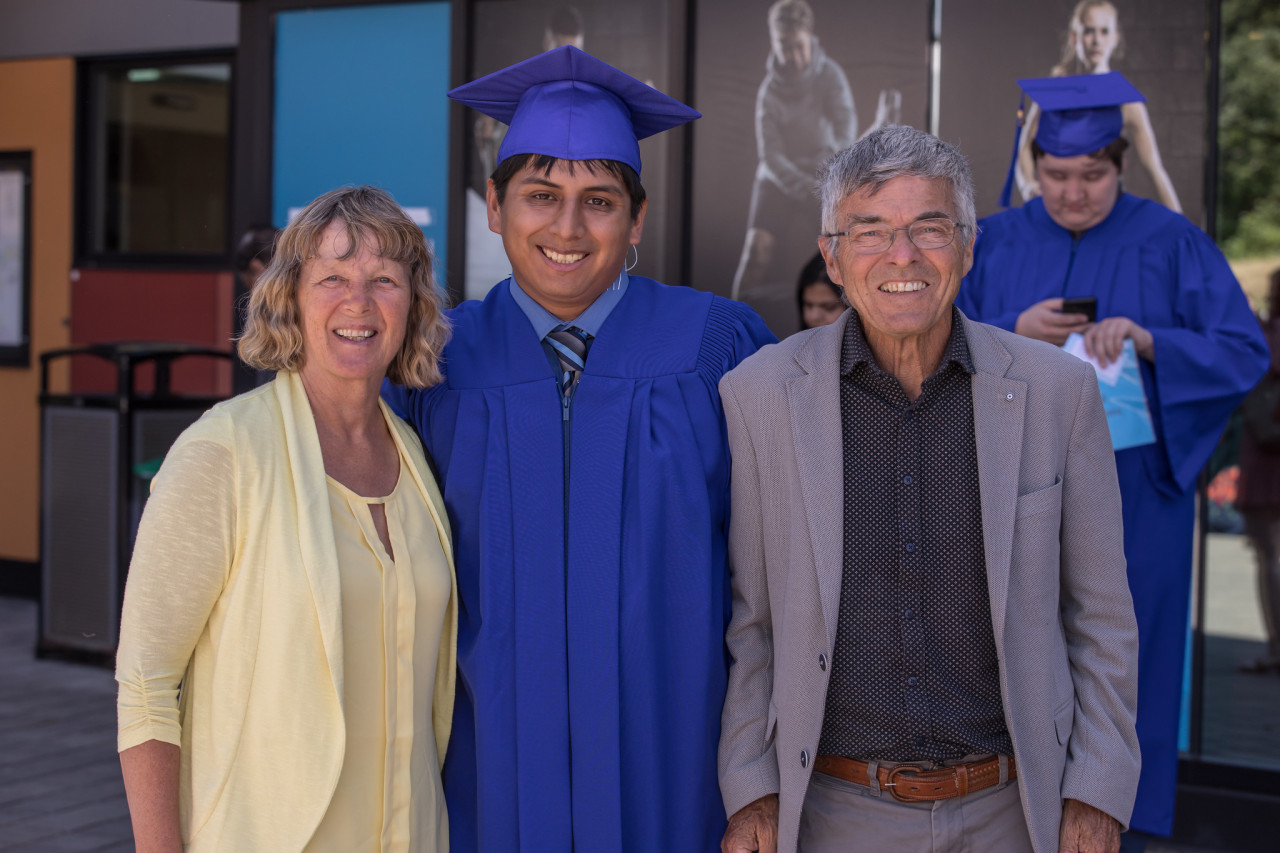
(933, 642)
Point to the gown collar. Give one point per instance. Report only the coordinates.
(651, 331)
(1124, 206)
(589, 321)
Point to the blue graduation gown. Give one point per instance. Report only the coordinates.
(1155, 267)
(591, 655)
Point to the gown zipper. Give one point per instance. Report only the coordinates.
(1071, 262)
(566, 401)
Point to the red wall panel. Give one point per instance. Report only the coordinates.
(112, 306)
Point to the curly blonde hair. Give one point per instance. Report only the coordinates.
(272, 338)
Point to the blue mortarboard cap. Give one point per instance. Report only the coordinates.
(568, 104)
(1079, 114)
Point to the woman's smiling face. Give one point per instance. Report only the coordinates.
(353, 306)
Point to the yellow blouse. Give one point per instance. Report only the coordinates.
(388, 796)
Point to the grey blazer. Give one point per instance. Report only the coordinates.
(1060, 606)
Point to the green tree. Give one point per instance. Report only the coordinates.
(1249, 129)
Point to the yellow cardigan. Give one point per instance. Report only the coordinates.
(258, 649)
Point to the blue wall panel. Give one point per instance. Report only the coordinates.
(360, 99)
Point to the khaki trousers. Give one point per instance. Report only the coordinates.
(840, 817)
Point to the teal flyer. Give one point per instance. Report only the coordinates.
(1123, 396)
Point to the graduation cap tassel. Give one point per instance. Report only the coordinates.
(1006, 194)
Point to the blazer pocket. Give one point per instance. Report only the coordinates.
(1041, 500)
(1063, 721)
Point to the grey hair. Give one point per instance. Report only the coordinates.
(895, 151)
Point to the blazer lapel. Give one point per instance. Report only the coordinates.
(814, 400)
(999, 405)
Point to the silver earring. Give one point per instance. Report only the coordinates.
(632, 265)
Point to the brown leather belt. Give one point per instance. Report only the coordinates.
(909, 783)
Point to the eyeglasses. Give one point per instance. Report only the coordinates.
(873, 238)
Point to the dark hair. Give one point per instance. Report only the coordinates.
(565, 21)
(256, 244)
(544, 163)
(1113, 151)
(814, 272)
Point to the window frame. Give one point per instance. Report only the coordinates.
(88, 120)
(19, 354)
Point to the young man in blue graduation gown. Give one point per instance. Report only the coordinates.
(1161, 283)
(582, 449)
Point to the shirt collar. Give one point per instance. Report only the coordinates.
(589, 321)
(856, 350)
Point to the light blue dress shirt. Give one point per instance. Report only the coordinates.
(588, 321)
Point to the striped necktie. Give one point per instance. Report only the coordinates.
(570, 345)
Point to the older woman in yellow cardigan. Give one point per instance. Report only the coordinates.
(286, 662)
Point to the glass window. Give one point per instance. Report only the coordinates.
(1240, 691)
(15, 258)
(1241, 686)
(156, 158)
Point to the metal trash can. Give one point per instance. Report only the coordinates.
(96, 452)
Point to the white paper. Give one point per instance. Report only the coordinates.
(1109, 374)
(1123, 396)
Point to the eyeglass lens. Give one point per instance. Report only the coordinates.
(925, 234)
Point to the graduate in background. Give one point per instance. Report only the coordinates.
(1159, 282)
(1093, 40)
(819, 299)
(582, 447)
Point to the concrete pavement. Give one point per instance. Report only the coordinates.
(60, 788)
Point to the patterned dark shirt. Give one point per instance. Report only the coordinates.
(914, 673)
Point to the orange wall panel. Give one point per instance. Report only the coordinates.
(36, 114)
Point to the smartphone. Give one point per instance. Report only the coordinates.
(1086, 305)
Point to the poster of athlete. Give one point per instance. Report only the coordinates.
(783, 85)
(1159, 46)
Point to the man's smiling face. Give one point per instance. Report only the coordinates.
(566, 233)
(904, 292)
